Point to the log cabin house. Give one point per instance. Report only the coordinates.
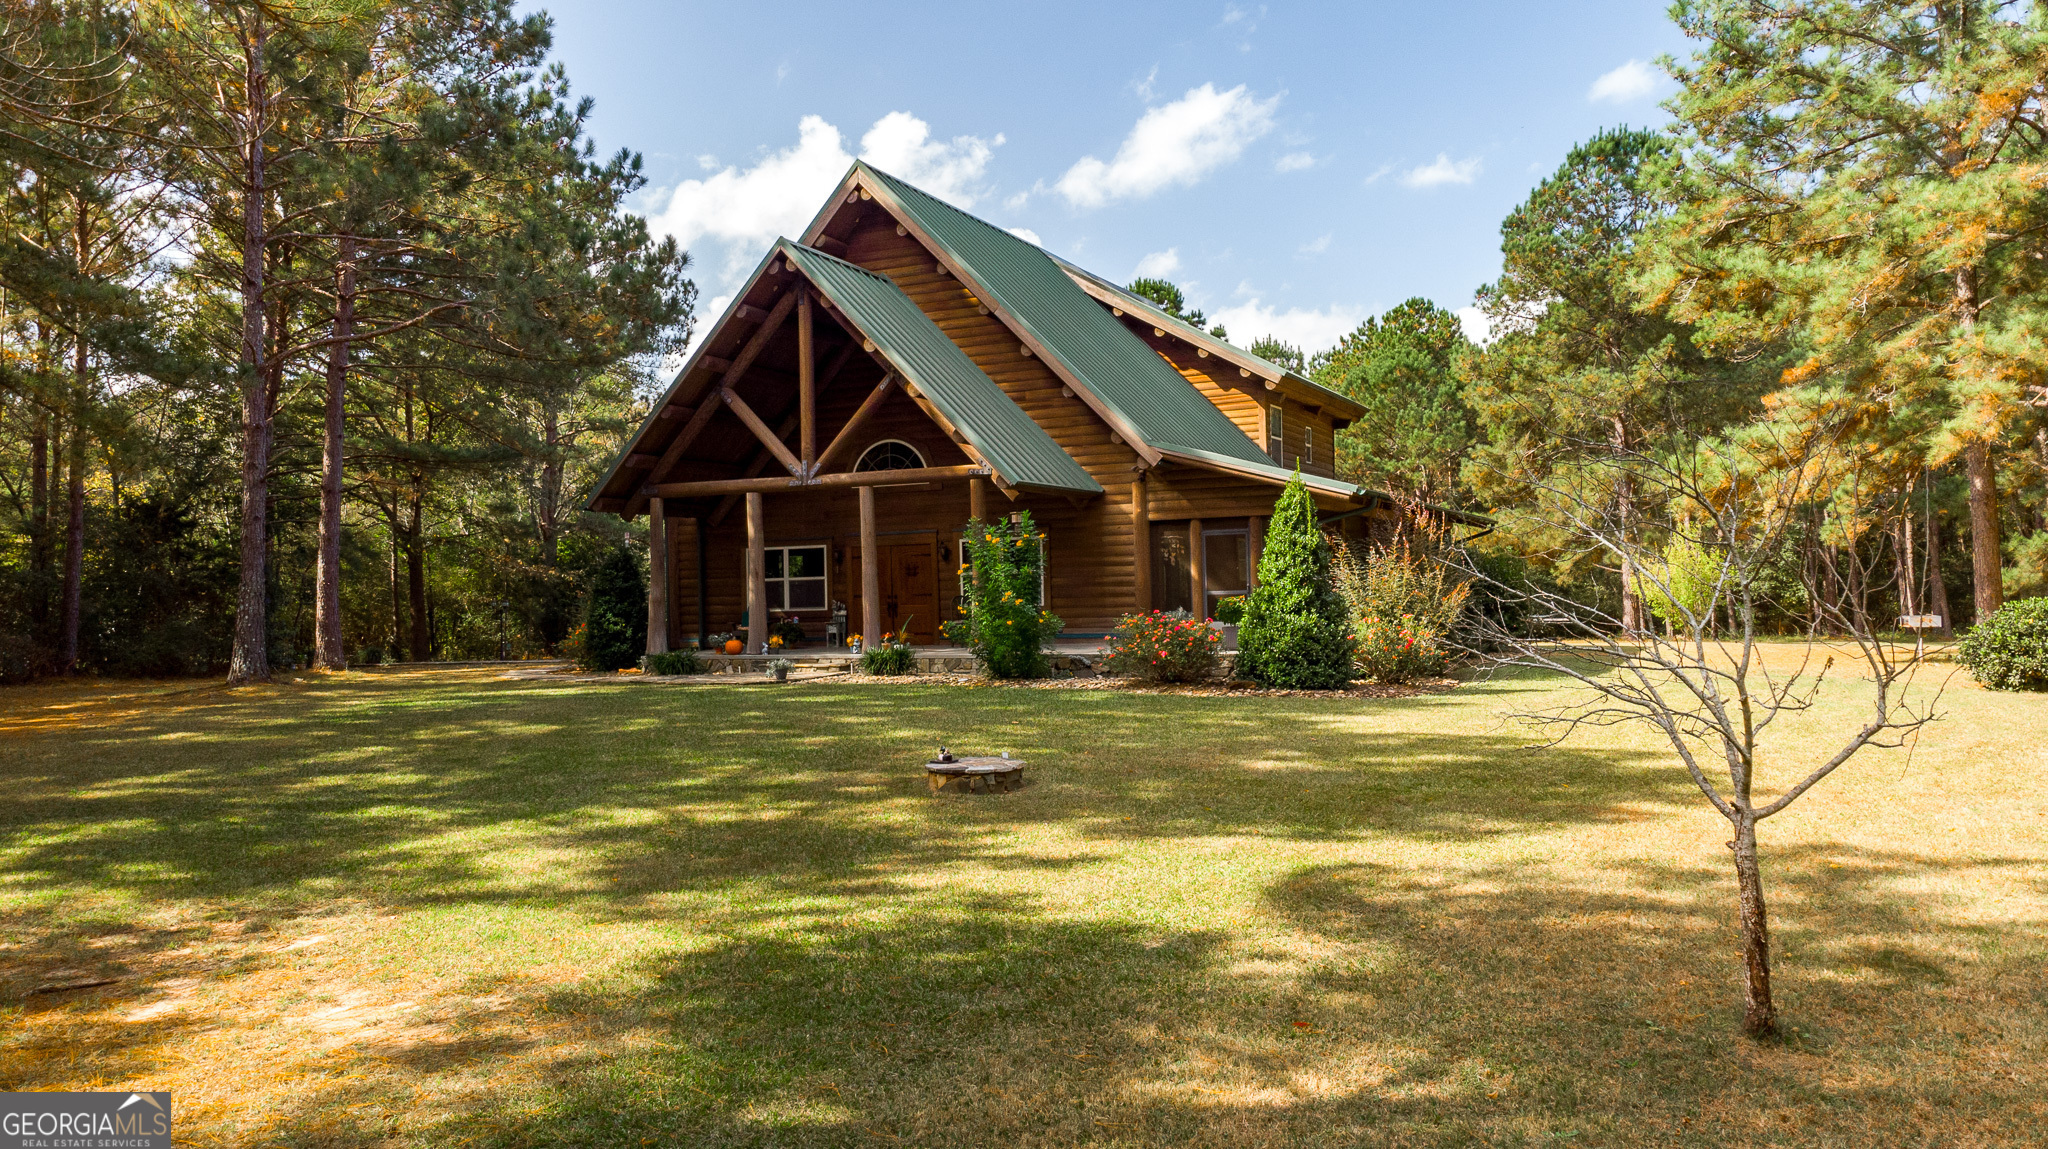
(904, 367)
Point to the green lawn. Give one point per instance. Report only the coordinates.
(437, 908)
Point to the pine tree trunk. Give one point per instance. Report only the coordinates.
(1908, 574)
(328, 645)
(416, 579)
(550, 501)
(1759, 1012)
(250, 659)
(39, 488)
(397, 596)
(74, 530)
(1986, 562)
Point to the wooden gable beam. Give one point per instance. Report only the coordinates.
(868, 407)
(910, 389)
(769, 439)
(727, 376)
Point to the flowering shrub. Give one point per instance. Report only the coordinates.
(1402, 610)
(958, 632)
(1004, 568)
(787, 629)
(1230, 608)
(1164, 646)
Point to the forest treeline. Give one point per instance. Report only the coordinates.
(318, 319)
(314, 318)
(1833, 256)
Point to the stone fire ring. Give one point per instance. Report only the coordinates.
(967, 775)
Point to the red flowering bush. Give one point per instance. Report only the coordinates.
(1164, 646)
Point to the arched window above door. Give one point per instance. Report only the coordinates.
(890, 455)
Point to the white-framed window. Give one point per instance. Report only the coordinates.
(796, 578)
(890, 455)
(1308, 445)
(1276, 434)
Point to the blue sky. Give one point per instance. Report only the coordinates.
(1295, 167)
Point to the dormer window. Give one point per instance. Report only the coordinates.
(890, 455)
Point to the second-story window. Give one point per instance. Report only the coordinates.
(1276, 434)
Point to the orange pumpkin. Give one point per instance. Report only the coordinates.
(734, 646)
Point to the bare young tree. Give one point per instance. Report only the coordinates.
(1712, 563)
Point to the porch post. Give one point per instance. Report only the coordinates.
(1257, 524)
(977, 500)
(1198, 594)
(870, 572)
(806, 382)
(657, 577)
(757, 574)
(1141, 545)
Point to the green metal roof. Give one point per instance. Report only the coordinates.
(1157, 316)
(1012, 443)
(1138, 387)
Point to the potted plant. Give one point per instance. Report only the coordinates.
(779, 668)
(728, 642)
(1229, 612)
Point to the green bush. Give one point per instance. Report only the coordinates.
(2009, 650)
(1003, 568)
(1295, 634)
(957, 632)
(1230, 608)
(674, 662)
(1164, 646)
(888, 657)
(1687, 584)
(615, 620)
(1403, 608)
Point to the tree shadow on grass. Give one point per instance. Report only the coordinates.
(405, 794)
(1498, 1010)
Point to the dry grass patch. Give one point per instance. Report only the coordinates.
(440, 908)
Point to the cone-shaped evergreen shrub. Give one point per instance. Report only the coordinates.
(615, 620)
(1295, 634)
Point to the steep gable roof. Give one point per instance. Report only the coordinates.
(1300, 386)
(1135, 390)
(1006, 438)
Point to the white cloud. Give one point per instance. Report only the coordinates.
(1632, 81)
(1307, 329)
(1477, 327)
(1027, 235)
(900, 144)
(1319, 244)
(1173, 144)
(1294, 162)
(707, 162)
(1144, 88)
(745, 209)
(1159, 264)
(1379, 174)
(1443, 171)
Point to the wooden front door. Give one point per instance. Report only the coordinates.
(910, 590)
